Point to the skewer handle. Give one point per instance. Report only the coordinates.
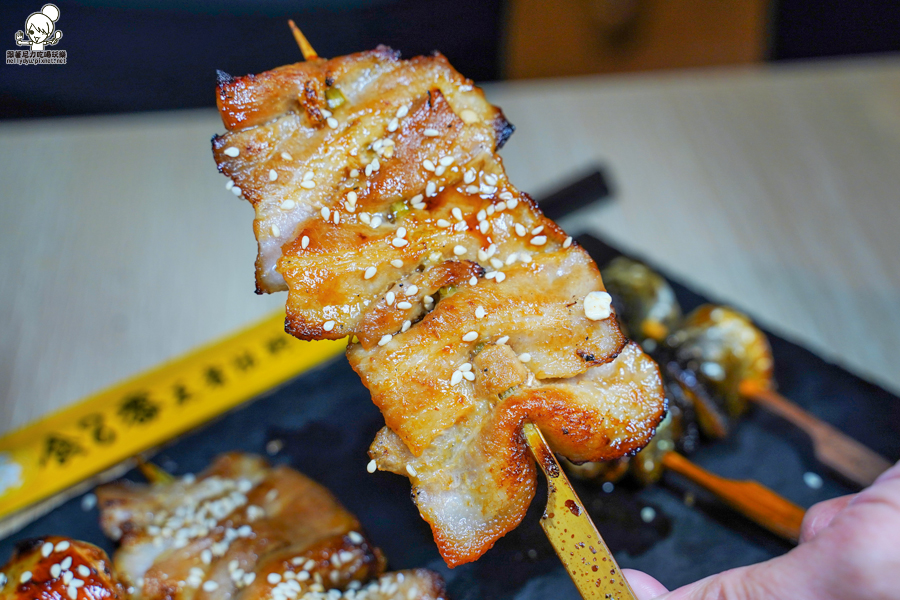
(574, 536)
(754, 500)
(832, 448)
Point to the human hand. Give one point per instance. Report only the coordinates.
(849, 550)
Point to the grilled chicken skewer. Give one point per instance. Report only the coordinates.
(383, 209)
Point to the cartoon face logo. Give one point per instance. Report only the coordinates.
(41, 29)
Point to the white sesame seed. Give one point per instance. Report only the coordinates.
(537, 230)
(431, 132)
(428, 165)
(490, 275)
(332, 122)
(304, 241)
(479, 312)
(308, 184)
(524, 357)
(46, 549)
(539, 240)
(428, 300)
(355, 537)
(401, 232)
(496, 263)
(385, 339)
(376, 222)
(473, 280)
(354, 173)
(481, 216)
(248, 578)
(490, 179)
(456, 377)
(326, 112)
(500, 276)
(568, 242)
(287, 205)
(337, 218)
(275, 231)
(511, 258)
(206, 556)
(328, 325)
(466, 366)
(503, 340)
(472, 189)
(375, 164)
(491, 210)
(67, 576)
(430, 188)
(210, 586)
(484, 226)
(402, 111)
(273, 174)
(286, 156)
(370, 273)
(389, 298)
(469, 375)
(397, 263)
(84, 571)
(67, 561)
(25, 577)
(393, 125)
(443, 223)
(470, 337)
(77, 583)
(326, 212)
(72, 592)
(457, 214)
(236, 191)
(55, 570)
(405, 327)
(232, 152)
(469, 176)
(411, 470)
(412, 290)
(404, 305)
(501, 206)
(372, 466)
(273, 578)
(482, 255)
(459, 250)
(469, 116)
(229, 185)
(597, 306)
(398, 242)
(511, 202)
(446, 161)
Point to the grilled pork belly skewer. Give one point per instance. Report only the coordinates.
(383, 209)
(59, 567)
(245, 530)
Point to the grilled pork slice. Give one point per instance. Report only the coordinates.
(383, 208)
(241, 529)
(59, 567)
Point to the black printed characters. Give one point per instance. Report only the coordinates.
(41, 29)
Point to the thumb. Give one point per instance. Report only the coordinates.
(644, 586)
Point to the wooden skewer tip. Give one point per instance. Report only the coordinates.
(305, 47)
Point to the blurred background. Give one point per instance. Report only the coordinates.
(142, 55)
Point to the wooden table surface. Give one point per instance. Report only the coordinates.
(775, 189)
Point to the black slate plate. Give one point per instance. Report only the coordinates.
(325, 421)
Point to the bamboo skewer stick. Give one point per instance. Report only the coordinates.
(574, 536)
(305, 47)
(750, 498)
(832, 447)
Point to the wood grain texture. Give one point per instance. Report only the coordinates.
(774, 189)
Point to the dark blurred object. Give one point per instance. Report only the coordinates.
(160, 54)
(574, 37)
(590, 188)
(819, 28)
